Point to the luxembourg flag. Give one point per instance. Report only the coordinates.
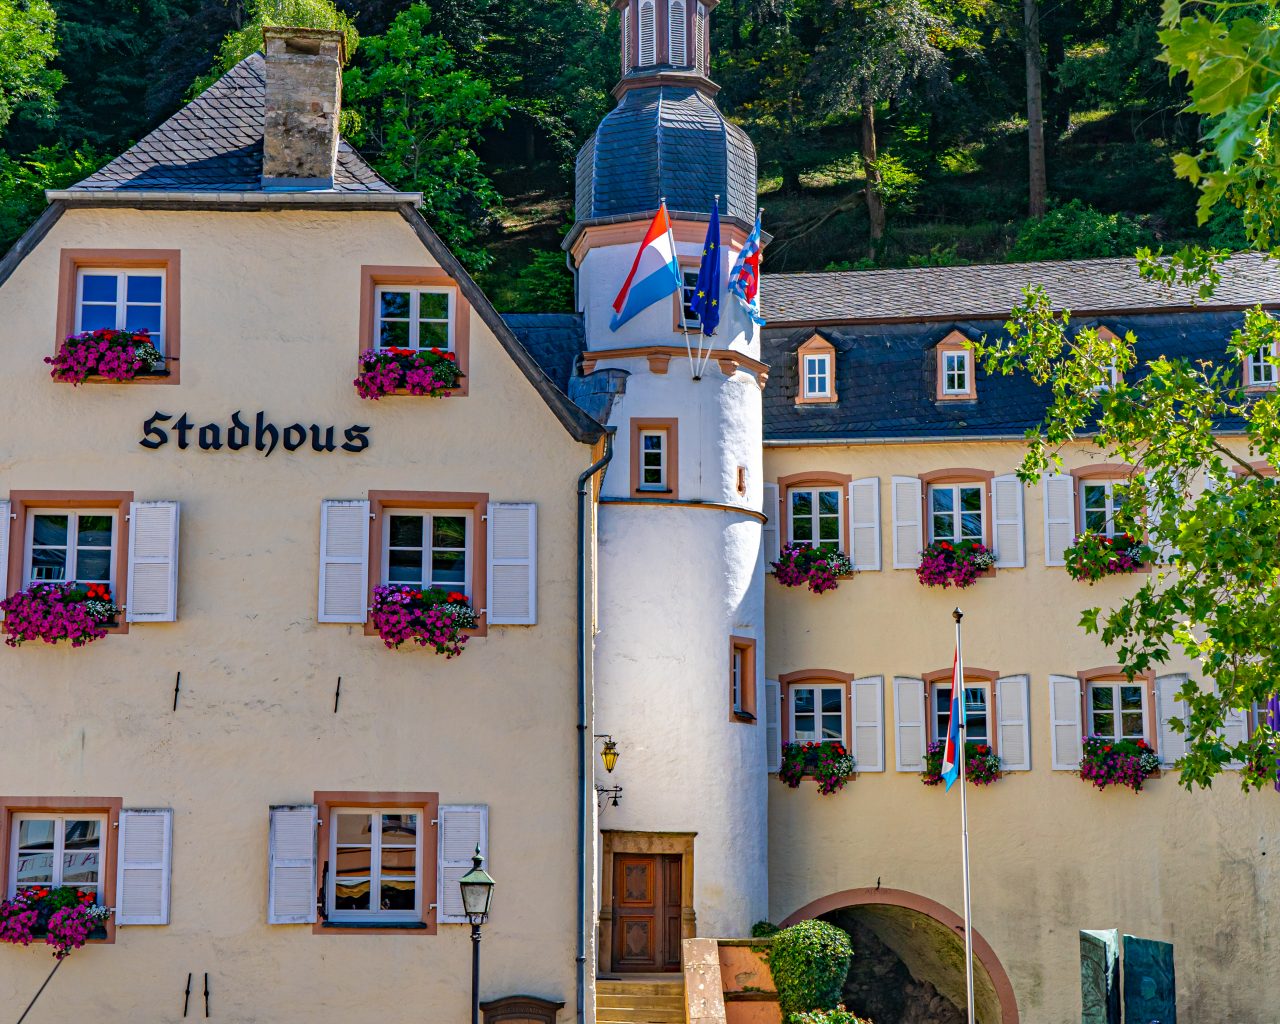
(951, 752)
(655, 274)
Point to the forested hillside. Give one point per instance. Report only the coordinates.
(891, 132)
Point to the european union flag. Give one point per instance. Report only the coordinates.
(706, 297)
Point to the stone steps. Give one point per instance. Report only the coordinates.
(640, 1002)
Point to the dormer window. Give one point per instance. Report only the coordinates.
(677, 32)
(817, 370)
(1260, 370)
(955, 369)
(817, 376)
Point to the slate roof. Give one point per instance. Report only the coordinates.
(886, 377)
(666, 140)
(936, 293)
(214, 144)
(553, 339)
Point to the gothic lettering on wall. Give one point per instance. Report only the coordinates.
(261, 435)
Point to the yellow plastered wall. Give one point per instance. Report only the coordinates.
(270, 304)
(1051, 855)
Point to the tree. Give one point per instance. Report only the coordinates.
(421, 117)
(26, 50)
(1038, 187)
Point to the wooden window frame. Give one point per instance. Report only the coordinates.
(812, 481)
(745, 713)
(1103, 472)
(957, 477)
(382, 502)
(952, 343)
(72, 261)
(813, 677)
(1112, 674)
(374, 277)
(980, 676)
(671, 426)
(1252, 386)
(820, 347)
(109, 806)
(428, 805)
(117, 502)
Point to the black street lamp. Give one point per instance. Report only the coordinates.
(477, 891)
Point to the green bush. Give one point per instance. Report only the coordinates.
(763, 929)
(1078, 232)
(837, 1016)
(809, 961)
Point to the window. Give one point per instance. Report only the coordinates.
(955, 373)
(376, 856)
(653, 460)
(1260, 371)
(676, 34)
(429, 548)
(66, 546)
(1099, 502)
(648, 35)
(956, 512)
(1117, 710)
(977, 729)
(688, 289)
(415, 318)
(817, 376)
(816, 517)
(121, 300)
(742, 679)
(817, 712)
(58, 849)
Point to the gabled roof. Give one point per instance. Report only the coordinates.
(214, 144)
(1085, 287)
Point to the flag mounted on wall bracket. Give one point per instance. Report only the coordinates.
(655, 273)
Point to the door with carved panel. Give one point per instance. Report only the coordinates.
(646, 912)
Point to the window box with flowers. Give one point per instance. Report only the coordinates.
(391, 371)
(429, 617)
(944, 564)
(819, 568)
(1094, 556)
(981, 767)
(78, 612)
(827, 762)
(107, 355)
(65, 917)
(1111, 762)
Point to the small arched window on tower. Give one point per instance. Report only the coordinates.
(626, 41)
(677, 34)
(648, 34)
(700, 39)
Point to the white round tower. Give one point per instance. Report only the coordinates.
(679, 657)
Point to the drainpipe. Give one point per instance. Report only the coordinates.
(584, 653)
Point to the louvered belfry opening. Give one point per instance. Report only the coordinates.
(663, 35)
(303, 102)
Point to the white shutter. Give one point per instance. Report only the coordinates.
(344, 561)
(143, 870)
(676, 30)
(6, 510)
(1064, 721)
(909, 724)
(513, 564)
(1235, 730)
(1014, 723)
(153, 562)
(866, 714)
(1165, 550)
(1006, 518)
(907, 537)
(1059, 517)
(1173, 745)
(772, 725)
(291, 865)
(773, 519)
(462, 827)
(648, 34)
(864, 523)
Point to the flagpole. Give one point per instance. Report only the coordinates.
(693, 369)
(704, 359)
(963, 755)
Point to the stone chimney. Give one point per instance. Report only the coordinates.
(304, 97)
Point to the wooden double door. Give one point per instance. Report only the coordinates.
(646, 912)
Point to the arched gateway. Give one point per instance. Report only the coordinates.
(929, 939)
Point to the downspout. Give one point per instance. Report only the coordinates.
(584, 653)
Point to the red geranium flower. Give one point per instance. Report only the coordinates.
(456, 598)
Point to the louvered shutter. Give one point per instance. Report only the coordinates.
(1165, 551)
(1173, 745)
(1064, 721)
(648, 34)
(773, 519)
(676, 30)
(344, 561)
(907, 542)
(143, 869)
(153, 562)
(772, 725)
(909, 724)
(6, 527)
(291, 865)
(864, 523)
(462, 827)
(1059, 517)
(866, 733)
(513, 564)
(1008, 532)
(1014, 722)
(1235, 730)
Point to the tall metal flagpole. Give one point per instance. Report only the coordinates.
(963, 755)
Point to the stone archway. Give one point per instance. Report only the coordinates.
(929, 939)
